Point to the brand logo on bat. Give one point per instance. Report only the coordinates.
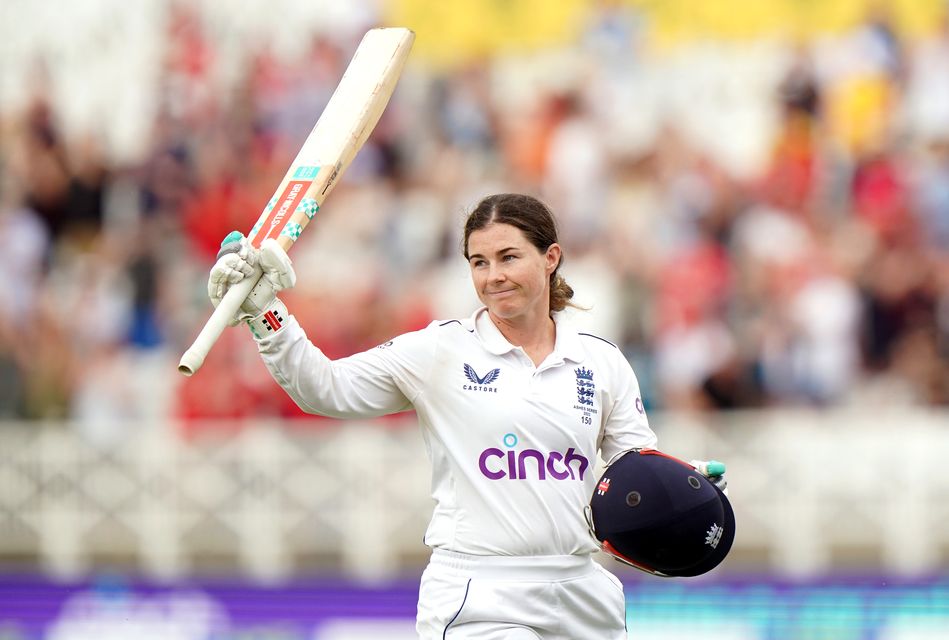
(306, 172)
(288, 201)
(531, 464)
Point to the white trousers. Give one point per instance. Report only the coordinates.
(519, 598)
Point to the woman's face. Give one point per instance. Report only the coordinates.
(510, 275)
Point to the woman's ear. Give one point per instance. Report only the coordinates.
(554, 256)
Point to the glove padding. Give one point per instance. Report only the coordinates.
(714, 471)
(238, 259)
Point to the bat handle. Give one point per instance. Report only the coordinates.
(194, 357)
(709, 468)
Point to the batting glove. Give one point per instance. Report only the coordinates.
(714, 471)
(238, 259)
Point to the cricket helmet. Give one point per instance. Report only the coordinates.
(658, 514)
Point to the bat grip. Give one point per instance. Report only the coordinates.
(194, 357)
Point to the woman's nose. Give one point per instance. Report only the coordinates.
(496, 273)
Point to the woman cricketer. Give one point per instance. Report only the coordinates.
(514, 407)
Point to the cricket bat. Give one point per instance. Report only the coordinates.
(342, 129)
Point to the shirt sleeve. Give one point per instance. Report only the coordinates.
(626, 425)
(382, 380)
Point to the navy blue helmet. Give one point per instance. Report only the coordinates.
(658, 514)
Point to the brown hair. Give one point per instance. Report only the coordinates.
(535, 221)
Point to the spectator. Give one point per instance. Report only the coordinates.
(812, 272)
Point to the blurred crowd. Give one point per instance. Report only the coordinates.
(778, 238)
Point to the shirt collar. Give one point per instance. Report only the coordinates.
(567, 345)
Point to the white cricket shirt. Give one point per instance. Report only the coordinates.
(512, 446)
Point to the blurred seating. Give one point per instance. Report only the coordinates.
(773, 217)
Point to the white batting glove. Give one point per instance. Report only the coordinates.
(714, 471)
(237, 260)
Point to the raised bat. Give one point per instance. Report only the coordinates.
(342, 129)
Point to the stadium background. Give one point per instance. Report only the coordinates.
(755, 204)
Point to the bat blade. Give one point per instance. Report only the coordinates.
(329, 149)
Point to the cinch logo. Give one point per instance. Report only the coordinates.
(480, 383)
(530, 463)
